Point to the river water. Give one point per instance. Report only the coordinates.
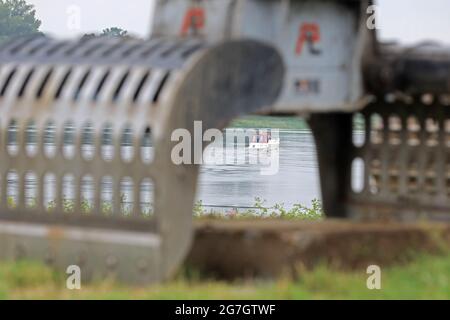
(237, 185)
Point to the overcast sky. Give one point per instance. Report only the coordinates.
(405, 20)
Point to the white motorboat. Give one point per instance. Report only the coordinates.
(264, 141)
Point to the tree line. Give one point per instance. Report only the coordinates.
(18, 18)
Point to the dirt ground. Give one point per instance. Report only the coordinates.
(269, 249)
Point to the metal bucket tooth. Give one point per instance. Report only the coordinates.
(85, 132)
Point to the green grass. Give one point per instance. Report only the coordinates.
(428, 277)
(262, 211)
(272, 122)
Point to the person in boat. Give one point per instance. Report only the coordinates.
(262, 138)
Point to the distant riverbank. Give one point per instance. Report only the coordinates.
(270, 122)
(283, 122)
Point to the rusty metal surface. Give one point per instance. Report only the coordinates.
(323, 43)
(104, 92)
(262, 248)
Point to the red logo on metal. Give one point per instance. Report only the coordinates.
(194, 20)
(310, 34)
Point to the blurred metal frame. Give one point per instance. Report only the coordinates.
(152, 86)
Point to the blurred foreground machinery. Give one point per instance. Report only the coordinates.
(86, 126)
(341, 78)
(86, 132)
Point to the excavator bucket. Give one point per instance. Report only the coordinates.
(86, 170)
